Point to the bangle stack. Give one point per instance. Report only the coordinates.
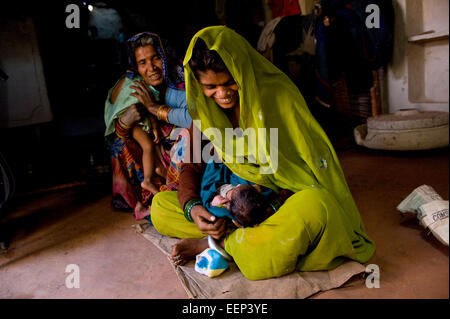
(275, 204)
(188, 207)
(163, 113)
(123, 125)
(122, 130)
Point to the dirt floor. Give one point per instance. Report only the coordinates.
(78, 226)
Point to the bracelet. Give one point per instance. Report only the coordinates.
(213, 245)
(121, 131)
(273, 207)
(163, 113)
(275, 204)
(123, 125)
(188, 207)
(189, 217)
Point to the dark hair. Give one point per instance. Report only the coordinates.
(248, 207)
(204, 59)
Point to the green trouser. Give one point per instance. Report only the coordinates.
(309, 232)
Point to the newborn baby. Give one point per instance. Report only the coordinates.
(246, 204)
(224, 194)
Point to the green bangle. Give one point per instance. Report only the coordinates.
(188, 216)
(188, 207)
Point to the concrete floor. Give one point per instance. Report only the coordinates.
(79, 226)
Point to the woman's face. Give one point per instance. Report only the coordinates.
(149, 65)
(220, 87)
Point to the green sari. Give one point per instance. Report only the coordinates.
(317, 228)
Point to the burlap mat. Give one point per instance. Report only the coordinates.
(232, 284)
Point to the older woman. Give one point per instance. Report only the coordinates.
(230, 85)
(153, 85)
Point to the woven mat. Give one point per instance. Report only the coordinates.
(232, 284)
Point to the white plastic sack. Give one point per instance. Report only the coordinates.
(431, 210)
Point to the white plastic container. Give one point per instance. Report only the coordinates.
(406, 129)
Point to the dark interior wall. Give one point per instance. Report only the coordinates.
(89, 67)
(79, 71)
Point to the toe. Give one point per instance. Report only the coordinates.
(177, 260)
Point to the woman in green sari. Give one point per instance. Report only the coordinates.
(230, 85)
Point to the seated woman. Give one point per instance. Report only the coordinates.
(230, 85)
(153, 86)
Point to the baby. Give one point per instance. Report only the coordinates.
(224, 194)
(247, 205)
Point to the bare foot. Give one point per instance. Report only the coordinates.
(141, 211)
(146, 184)
(186, 249)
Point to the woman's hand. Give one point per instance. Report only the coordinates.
(207, 223)
(145, 96)
(133, 115)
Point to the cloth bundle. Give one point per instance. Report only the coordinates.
(431, 210)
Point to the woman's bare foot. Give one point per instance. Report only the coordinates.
(148, 185)
(186, 249)
(141, 211)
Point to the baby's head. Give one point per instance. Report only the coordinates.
(247, 205)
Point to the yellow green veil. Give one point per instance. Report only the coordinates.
(268, 99)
